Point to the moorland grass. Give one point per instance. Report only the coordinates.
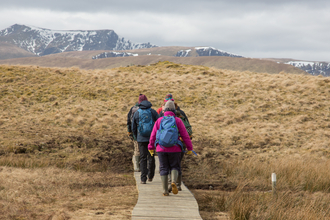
(246, 126)
(53, 193)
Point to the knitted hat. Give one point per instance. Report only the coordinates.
(142, 98)
(168, 97)
(169, 106)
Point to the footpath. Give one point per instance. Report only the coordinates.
(153, 205)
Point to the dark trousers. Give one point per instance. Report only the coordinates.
(147, 162)
(168, 162)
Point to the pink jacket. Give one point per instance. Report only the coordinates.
(183, 133)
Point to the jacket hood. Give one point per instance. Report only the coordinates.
(145, 105)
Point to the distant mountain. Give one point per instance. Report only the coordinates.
(187, 52)
(205, 51)
(41, 41)
(313, 68)
(19, 41)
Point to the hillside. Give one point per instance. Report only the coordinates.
(84, 60)
(183, 52)
(9, 51)
(71, 123)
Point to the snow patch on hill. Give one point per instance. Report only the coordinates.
(183, 53)
(313, 68)
(205, 51)
(113, 54)
(211, 51)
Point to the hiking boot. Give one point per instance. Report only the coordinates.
(174, 188)
(165, 185)
(174, 175)
(178, 182)
(149, 179)
(143, 182)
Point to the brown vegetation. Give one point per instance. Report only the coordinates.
(52, 193)
(246, 126)
(10, 51)
(83, 60)
(164, 51)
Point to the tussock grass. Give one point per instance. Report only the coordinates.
(52, 193)
(246, 126)
(251, 205)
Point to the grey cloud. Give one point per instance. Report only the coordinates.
(169, 6)
(255, 28)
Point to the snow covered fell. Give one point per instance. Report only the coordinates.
(41, 41)
(313, 68)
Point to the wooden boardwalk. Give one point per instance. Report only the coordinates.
(153, 205)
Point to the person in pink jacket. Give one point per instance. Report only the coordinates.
(169, 157)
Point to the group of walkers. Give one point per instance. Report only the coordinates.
(167, 131)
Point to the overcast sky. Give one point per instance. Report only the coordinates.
(298, 29)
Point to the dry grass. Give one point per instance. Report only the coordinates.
(244, 190)
(243, 205)
(246, 125)
(52, 193)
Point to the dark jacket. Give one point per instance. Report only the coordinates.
(135, 122)
(161, 114)
(129, 122)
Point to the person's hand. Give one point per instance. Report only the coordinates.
(152, 152)
(189, 152)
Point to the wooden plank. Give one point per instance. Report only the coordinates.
(153, 205)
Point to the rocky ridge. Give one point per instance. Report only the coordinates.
(313, 68)
(41, 41)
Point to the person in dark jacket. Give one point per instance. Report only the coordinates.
(136, 154)
(147, 162)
